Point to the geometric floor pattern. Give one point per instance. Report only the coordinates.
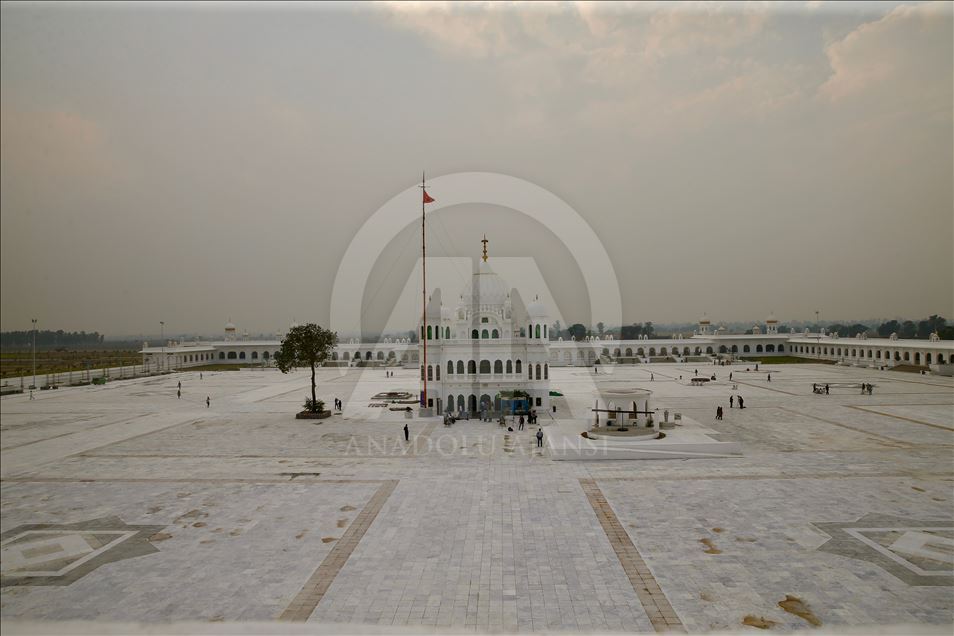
(126, 504)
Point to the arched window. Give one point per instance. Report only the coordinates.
(536, 333)
(255, 355)
(735, 348)
(509, 366)
(232, 355)
(367, 356)
(437, 372)
(545, 336)
(662, 351)
(629, 352)
(781, 348)
(447, 332)
(460, 367)
(241, 355)
(758, 348)
(474, 334)
(334, 355)
(722, 349)
(484, 334)
(484, 367)
(709, 350)
(546, 371)
(519, 368)
(927, 358)
(652, 351)
(422, 373)
(221, 355)
(530, 330)
(685, 351)
(640, 352)
(471, 367)
(770, 348)
(745, 348)
(450, 404)
(538, 372)
(498, 366)
(428, 332)
(495, 334)
(450, 368)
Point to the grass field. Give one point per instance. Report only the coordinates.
(17, 363)
(784, 360)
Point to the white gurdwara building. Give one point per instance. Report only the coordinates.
(486, 351)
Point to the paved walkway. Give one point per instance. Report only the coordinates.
(124, 503)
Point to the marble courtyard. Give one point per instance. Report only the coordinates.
(123, 503)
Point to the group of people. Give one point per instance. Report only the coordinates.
(866, 388)
(208, 398)
(819, 389)
(732, 401)
(388, 374)
(338, 404)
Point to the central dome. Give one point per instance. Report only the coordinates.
(485, 287)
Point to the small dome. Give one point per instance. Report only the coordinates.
(229, 326)
(537, 309)
(704, 320)
(771, 320)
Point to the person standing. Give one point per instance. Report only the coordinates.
(539, 438)
(180, 385)
(520, 423)
(407, 433)
(208, 401)
(200, 375)
(741, 402)
(826, 389)
(731, 401)
(178, 394)
(769, 377)
(718, 412)
(31, 395)
(730, 376)
(651, 377)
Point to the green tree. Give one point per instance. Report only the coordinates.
(306, 346)
(600, 327)
(577, 330)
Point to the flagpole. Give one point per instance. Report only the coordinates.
(424, 289)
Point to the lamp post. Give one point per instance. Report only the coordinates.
(162, 340)
(33, 386)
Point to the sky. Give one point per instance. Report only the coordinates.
(195, 163)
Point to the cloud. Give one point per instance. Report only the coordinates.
(904, 57)
(55, 145)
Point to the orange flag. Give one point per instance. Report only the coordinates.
(427, 197)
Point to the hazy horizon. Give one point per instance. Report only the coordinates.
(200, 163)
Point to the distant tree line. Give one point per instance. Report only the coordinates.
(920, 329)
(51, 339)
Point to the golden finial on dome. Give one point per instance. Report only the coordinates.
(484, 241)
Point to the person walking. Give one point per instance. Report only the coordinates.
(178, 394)
(826, 389)
(520, 424)
(697, 372)
(407, 433)
(731, 401)
(730, 376)
(741, 402)
(651, 377)
(539, 438)
(180, 385)
(31, 395)
(769, 377)
(208, 401)
(200, 375)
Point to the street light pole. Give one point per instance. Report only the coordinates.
(162, 339)
(34, 354)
